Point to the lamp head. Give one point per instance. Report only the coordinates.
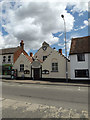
(62, 16)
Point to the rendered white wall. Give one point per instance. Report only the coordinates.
(47, 64)
(27, 65)
(74, 64)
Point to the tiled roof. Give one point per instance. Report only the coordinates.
(45, 44)
(8, 50)
(28, 57)
(80, 45)
(41, 61)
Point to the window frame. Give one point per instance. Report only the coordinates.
(77, 75)
(44, 58)
(55, 67)
(4, 58)
(21, 67)
(9, 58)
(80, 57)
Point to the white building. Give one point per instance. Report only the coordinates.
(47, 63)
(51, 64)
(23, 65)
(80, 58)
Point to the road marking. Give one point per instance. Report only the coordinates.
(79, 88)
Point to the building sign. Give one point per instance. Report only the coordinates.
(45, 72)
(26, 71)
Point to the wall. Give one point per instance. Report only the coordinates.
(0, 66)
(27, 65)
(7, 58)
(89, 63)
(47, 64)
(42, 53)
(74, 64)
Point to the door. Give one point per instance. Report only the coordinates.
(36, 73)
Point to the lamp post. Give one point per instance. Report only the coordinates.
(65, 48)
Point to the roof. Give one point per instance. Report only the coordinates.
(80, 45)
(45, 44)
(28, 57)
(9, 50)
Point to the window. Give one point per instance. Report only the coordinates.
(21, 67)
(9, 58)
(54, 67)
(82, 73)
(44, 48)
(4, 58)
(6, 70)
(81, 57)
(44, 58)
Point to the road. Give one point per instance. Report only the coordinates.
(60, 96)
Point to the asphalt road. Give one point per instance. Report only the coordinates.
(72, 97)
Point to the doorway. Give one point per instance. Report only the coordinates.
(36, 73)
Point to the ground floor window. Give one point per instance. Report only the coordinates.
(6, 70)
(82, 73)
(54, 67)
(21, 67)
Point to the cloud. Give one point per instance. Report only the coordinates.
(34, 22)
(81, 14)
(80, 6)
(85, 22)
(61, 45)
(2, 41)
(60, 34)
(89, 22)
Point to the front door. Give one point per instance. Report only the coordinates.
(36, 73)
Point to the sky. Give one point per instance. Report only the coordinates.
(39, 21)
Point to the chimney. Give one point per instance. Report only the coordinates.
(22, 44)
(31, 54)
(60, 51)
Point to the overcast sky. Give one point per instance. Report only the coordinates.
(36, 22)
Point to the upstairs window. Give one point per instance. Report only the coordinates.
(9, 58)
(21, 67)
(4, 58)
(54, 67)
(44, 58)
(81, 57)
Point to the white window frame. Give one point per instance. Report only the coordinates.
(9, 58)
(55, 67)
(4, 58)
(21, 67)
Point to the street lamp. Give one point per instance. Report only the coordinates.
(65, 48)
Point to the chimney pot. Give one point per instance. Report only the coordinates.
(22, 44)
(31, 54)
(60, 51)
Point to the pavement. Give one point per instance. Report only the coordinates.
(46, 83)
(20, 109)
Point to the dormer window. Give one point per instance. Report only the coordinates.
(81, 57)
(44, 58)
(4, 58)
(44, 48)
(9, 58)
